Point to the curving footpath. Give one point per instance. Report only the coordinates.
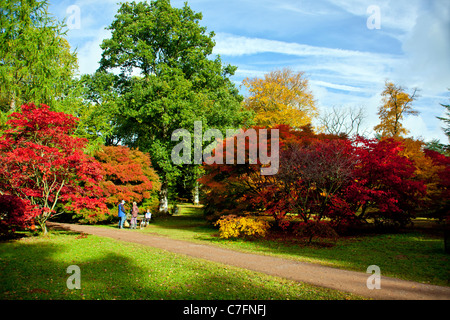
(315, 274)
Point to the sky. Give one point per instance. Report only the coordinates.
(346, 49)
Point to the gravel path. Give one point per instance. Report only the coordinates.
(343, 280)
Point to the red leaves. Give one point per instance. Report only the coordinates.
(385, 180)
(15, 212)
(40, 162)
(441, 198)
(321, 176)
(128, 175)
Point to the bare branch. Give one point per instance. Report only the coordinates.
(343, 120)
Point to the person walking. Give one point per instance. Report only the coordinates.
(122, 214)
(134, 215)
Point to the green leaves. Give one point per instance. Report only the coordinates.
(166, 80)
(37, 63)
(146, 36)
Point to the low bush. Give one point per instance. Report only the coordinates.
(233, 226)
(315, 229)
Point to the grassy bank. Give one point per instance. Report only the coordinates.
(36, 268)
(411, 255)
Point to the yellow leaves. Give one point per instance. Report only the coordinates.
(426, 170)
(282, 97)
(232, 226)
(396, 104)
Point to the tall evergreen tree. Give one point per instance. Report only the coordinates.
(446, 120)
(36, 62)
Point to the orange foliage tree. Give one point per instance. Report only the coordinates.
(241, 189)
(128, 175)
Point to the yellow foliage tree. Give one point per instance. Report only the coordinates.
(282, 97)
(396, 104)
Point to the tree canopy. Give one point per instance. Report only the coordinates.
(41, 163)
(396, 105)
(37, 64)
(166, 80)
(281, 97)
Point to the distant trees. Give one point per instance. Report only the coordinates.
(446, 120)
(342, 120)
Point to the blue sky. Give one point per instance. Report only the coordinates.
(345, 61)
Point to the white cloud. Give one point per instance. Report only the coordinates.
(395, 14)
(347, 70)
(337, 86)
(234, 45)
(90, 53)
(427, 50)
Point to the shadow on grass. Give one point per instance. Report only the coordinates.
(36, 268)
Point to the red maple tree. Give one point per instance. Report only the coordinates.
(386, 188)
(41, 163)
(440, 200)
(320, 176)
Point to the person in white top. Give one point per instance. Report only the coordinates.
(147, 218)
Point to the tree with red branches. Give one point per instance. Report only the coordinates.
(41, 163)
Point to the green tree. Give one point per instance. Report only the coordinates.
(166, 81)
(446, 120)
(100, 109)
(36, 64)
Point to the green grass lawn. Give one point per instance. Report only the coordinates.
(411, 256)
(36, 268)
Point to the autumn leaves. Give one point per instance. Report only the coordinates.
(282, 97)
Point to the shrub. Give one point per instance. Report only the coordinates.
(15, 213)
(315, 229)
(232, 226)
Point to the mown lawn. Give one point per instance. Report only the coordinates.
(36, 268)
(413, 255)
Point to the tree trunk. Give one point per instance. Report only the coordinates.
(163, 198)
(196, 194)
(42, 224)
(12, 105)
